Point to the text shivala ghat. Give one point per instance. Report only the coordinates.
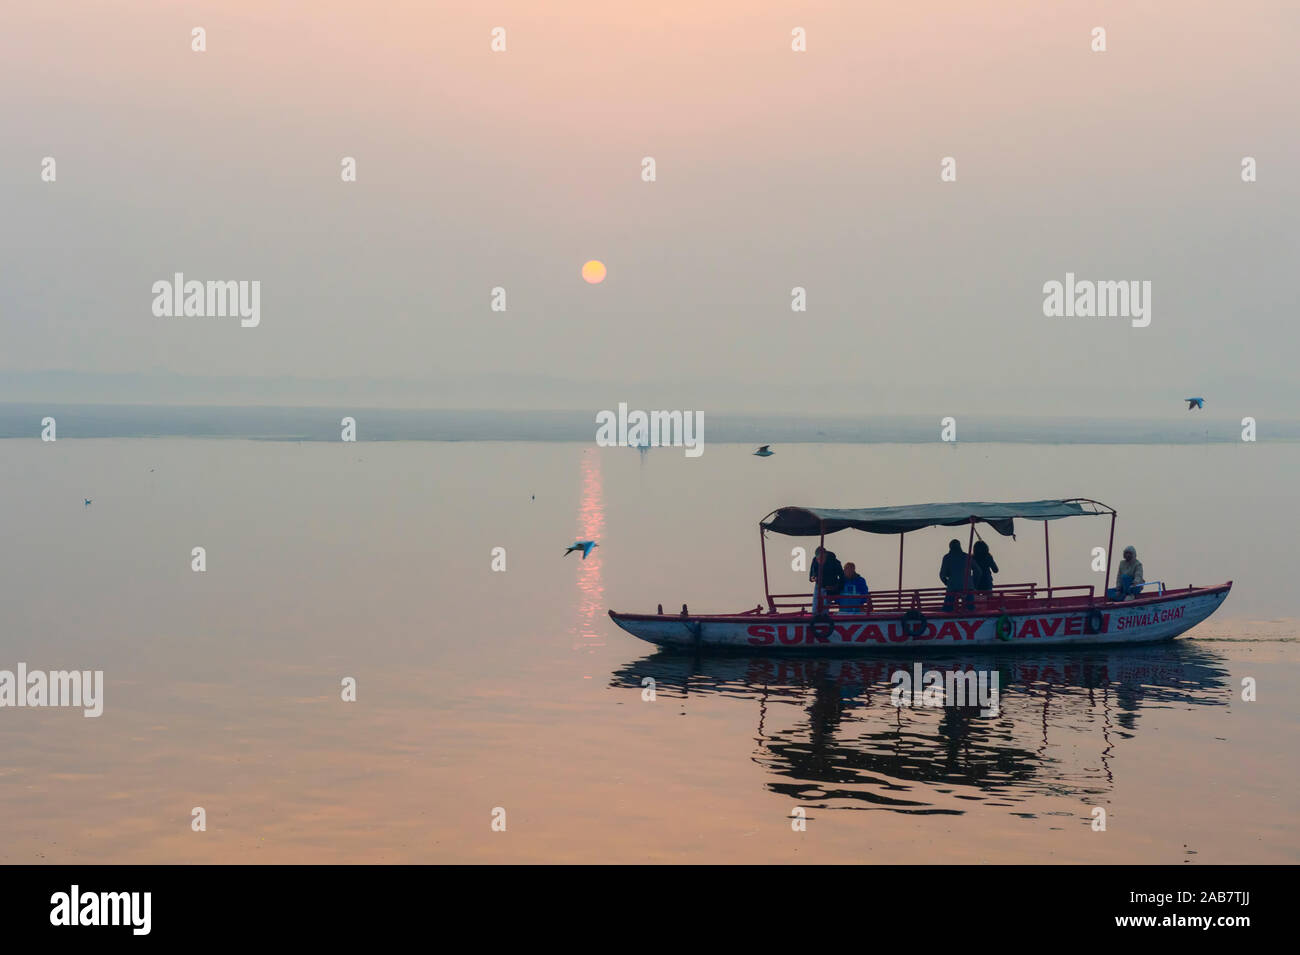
(1016, 614)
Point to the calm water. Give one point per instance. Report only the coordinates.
(480, 689)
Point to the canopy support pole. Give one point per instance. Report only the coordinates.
(818, 596)
(967, 593)
(1047, 547)
(762, 549)
(900, 568)
(1109, 547)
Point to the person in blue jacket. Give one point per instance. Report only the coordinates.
(854, 593)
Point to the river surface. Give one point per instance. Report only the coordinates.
(508, 694)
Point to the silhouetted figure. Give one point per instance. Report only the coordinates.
(955, 574)
(983, 567)
(831, 577)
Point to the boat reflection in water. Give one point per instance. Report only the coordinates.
(830, 734)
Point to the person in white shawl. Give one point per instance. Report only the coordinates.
(1129, 579)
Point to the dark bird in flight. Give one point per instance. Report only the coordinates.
(87, 504)
(584, 546)
(765, 451)
(1194, 403)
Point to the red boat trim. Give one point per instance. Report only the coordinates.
(1027, 610)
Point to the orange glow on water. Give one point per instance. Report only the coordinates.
(591, 526)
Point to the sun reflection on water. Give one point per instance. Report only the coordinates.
(591, 526)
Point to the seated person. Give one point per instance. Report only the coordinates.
(1128, 579)
(853, 585)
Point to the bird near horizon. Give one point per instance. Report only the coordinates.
(584, 546)
(1194, 403)
(765, 451)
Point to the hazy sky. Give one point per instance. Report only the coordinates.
(775, 169)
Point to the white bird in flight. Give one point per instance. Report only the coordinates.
(584, 546)
(765, 451)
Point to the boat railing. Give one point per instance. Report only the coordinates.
(932, 599)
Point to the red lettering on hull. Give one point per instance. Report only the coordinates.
(871, 632)
(1069, 624)
(949, 629)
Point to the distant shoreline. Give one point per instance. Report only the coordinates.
(271, 423)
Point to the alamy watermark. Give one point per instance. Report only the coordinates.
(944, 688)
(129, 909)
(193, 299)
(83, 688)
(1085, 298)
(652, 429)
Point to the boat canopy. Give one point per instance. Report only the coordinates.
(812, 521)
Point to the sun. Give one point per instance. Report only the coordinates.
(594, 271)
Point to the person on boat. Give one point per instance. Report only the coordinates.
(983, 567)
(854, 593)
(831, 577)
(955, 574)
(1129, 579)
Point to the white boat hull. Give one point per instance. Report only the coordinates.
(1135, 621)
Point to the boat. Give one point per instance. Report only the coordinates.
(1010, 615)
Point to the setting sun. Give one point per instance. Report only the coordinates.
(594, 271)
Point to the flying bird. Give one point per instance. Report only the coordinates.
(1194, 403)
(765, 451)
(584, 546)
(87, 504)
